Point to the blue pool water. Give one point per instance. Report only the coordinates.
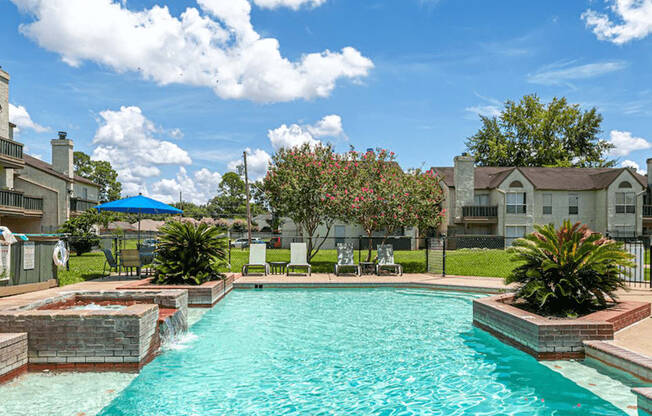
(358, 352)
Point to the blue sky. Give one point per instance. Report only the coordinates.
(172, 96)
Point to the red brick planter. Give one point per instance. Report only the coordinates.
(202, 296)
(552, 339)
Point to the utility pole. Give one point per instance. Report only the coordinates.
(244, 155)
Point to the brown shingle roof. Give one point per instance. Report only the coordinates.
(563, 179)
(47, 168)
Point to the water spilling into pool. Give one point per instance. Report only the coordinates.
(171, 330)
(380, 351)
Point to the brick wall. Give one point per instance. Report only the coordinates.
(70, 339)
(13, 355)
(549, 339)
(202, 296)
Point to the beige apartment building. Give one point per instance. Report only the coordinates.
(36, 196)
(508, 201)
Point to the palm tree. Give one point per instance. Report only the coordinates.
(567, 271)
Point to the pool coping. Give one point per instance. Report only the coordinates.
(644, 400)
(619, 358)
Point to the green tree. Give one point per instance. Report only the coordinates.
(81, 236)
(296, 184)
(231, 197)
(101, 172)
(532, 133)
(192, 210)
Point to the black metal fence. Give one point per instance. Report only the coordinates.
(639, 274)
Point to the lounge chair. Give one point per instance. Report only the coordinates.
(110, 261)
(257, 259)
(345, 258)
(298, 258)
(130, 259)
(386, 260)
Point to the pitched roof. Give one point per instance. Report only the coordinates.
(47, 168)
(563, 179)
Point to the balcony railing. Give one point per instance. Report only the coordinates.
(11, 199)
(480, 211)
(81, 205)
(11, 148)
(647, 210)
(33, 203)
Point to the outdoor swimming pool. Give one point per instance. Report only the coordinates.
(380, 351)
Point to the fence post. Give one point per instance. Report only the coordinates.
(443, 257)
(427, 265)
(359, 249)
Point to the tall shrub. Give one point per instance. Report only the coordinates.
(189, 253)
(567, 271)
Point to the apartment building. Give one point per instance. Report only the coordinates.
(36, 196)
(508, 201)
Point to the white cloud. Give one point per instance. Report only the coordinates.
(624, 143)
(632, 20)
(21, 118)
(293, 4)
(126, 139)
(214, 46)
(559, 74)
(296, 135)
(484, 110)
(198, 188)
(632, 164)
(257, 163)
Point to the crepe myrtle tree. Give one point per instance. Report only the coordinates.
(295, 185)
(371, 189)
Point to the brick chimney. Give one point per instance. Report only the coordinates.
(62, 155)
(464, 178)
(4, 104)
(649, 172)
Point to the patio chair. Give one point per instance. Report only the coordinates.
(130, 259)
(257, 259)
(298, 258)
(345, 259)
(386, 259)
(147, 254)
(110, 261)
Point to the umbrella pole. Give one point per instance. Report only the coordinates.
(139, 228)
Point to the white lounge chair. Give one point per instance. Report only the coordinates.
(386, 260)
(345, 258)
(257, 259)
(298, 258)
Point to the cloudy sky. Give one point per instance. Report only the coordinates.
(172, 92)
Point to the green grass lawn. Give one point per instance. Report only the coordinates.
(88, 266)
(479, 262)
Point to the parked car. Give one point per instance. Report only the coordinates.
(240, 243)
(244, 242)
(274, 242)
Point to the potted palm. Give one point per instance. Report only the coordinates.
(568, 271)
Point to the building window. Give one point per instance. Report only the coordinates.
(516, 203)
(625, 184)
(513, 232)
(516, 184)
(85, 193)
(481, 200)
(573, 204)
(625, 203)
(547, 204)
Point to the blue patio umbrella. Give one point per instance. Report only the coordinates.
(138, 205)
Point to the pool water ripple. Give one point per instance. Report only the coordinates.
(381, 351)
